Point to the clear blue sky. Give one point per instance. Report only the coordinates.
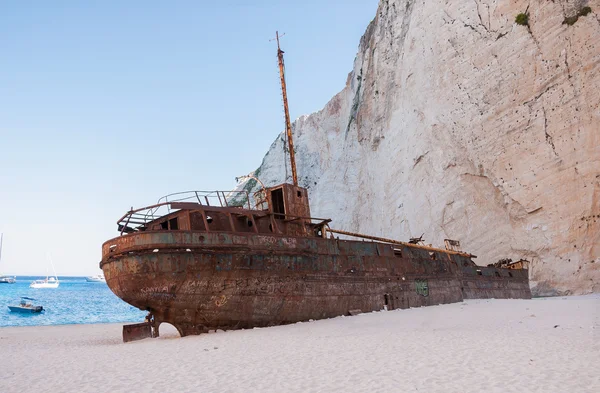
(111, 104)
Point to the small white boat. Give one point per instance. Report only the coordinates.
(7, 279)
(96, 278)
(48, 282)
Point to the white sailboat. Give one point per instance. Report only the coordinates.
(49, 281)
(5, 279)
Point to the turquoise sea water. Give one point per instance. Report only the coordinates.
(74, 301)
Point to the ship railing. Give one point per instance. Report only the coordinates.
(136, 219)
(238, 198)
(378, 239)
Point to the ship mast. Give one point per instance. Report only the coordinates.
(288, 126)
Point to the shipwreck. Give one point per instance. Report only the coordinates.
(203, 261)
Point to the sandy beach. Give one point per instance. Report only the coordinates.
(539, 345)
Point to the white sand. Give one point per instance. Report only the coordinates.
(475, 346)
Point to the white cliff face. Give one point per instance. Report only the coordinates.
(458, 123)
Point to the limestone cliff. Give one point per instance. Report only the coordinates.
(456, 122)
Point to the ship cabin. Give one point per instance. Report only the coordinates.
(283, 209)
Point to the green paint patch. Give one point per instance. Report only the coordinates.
(422, 287)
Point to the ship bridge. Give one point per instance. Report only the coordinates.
(283, 209)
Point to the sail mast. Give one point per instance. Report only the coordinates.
(288, 126)
(53, 269)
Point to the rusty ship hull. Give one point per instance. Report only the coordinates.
(200, 281)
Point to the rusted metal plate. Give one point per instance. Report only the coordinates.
(137, 331)
(498, 283)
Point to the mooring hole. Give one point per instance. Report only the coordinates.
(479, 273)
(386, 299)
(510, 274)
